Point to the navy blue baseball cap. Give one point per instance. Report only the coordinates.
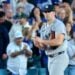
(49, 8)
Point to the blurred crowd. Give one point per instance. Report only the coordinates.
(21, 21)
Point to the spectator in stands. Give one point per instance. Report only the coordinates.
(62, 14)
(37, 16)
(18, 53)
(68, 1)
(7, 23)
(4, 40)
(19, 26)
(64, 4)
(6, 6)
(38, 19)
(13, 5)
(56, 8)
(19, 12)
(71, 52)
(66, 15)
(27, 36)
(27, 6)
(9, 15)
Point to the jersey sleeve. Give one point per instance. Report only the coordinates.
(60, 28)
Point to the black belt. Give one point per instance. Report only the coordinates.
(53, 55)
(72, 65)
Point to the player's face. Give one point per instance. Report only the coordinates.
(50, 15)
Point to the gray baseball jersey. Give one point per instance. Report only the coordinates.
(59, 28)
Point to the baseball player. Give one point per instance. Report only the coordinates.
(53, 40)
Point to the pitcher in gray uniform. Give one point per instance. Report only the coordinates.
(53, 41)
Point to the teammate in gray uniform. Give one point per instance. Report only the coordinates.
(53, 40)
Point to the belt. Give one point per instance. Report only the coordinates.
(53, 55)
(72, 65)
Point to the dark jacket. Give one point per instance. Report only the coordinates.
(4, 39)
(8, 25)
